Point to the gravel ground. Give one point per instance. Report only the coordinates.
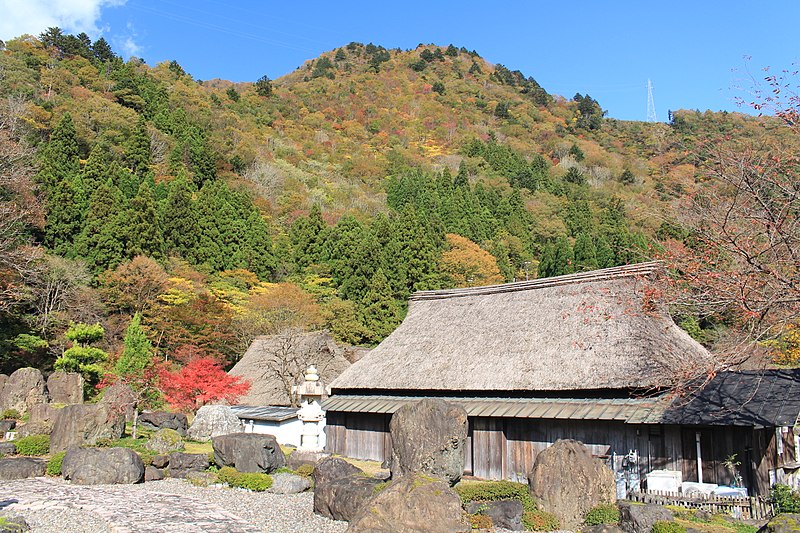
(272, 513)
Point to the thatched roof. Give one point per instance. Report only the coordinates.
(589, 331)
(260, 364)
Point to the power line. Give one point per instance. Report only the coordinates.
(651, 105)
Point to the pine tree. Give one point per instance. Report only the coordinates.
(96, 170)
(179, 220)
(67, 206)
(605, 255)
(257, 255)
(144, 235)
(60, 158)
(380, 311)
(137, 350)
(102, 241)
(585, 253)
(137, 150)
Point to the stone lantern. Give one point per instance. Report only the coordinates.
(310, 412)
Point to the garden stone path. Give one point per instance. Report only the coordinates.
(126, 511)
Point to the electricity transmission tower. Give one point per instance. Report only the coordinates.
(651, 105)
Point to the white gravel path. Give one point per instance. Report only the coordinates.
(172, 505)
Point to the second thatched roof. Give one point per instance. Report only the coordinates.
(591, 331)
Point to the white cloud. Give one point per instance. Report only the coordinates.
(35, 16)
(128, 43)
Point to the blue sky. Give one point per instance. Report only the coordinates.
(696, 53)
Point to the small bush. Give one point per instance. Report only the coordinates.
(54, 464)
(256, 482)
(33, 445)
(305, 470)
(539, 521)
(605, 513)
(785, 499)
(665, 526)
(480, 521)
(10, 414)
(489, 491)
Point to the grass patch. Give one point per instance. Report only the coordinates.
(488, 491)
(370, 468)
(193, 446)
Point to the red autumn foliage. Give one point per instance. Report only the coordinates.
(199, 382)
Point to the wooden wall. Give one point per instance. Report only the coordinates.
(504, 448)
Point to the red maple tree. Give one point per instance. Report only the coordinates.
(199, 382)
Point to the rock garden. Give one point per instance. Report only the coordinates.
(76, 468)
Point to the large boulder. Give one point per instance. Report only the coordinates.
(164, 441)
(164, 420)
(784, 523)
(65, 387)
(180, 464)
(413, 503)
(638, 518)
(341, 490)
(24, 388)
(212, 421)
(152, 473)
(7, 448)
(568, 482)
(42, 416)
(76, 425)
(21, 468)
(298, 458)
(102, 466)
(7, 425)
(429, 436)
(248, 452)
(120, 398)
(289, 484)
(506, 514)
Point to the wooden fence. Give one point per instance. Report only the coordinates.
(738, 507)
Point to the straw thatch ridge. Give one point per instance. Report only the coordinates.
(273, 361)
(589, 331)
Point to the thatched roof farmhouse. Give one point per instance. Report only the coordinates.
(588, 356)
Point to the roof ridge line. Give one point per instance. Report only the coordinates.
(568, 279)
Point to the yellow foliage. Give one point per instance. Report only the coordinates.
(467, 264)
(787, 350)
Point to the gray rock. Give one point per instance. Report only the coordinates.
(248, 452)
(152, 473)
(34, 428)
(506, 514)
(164, 441)
(23, 388)
(289, 484)
(65, 387)
(164, 420)
(341, 490)
(212, 421)
(429, 436)
(121, 398)
(21, 467)
(7, 425)
(180, 464)
(102, 466)
(77, 425)
(568, 482)
(637, 518)
(3, 379)
(300, 457)
(13, 523)
(602, 528)
(413, 503)
(7, 448)
(160, 461)
(783, 523)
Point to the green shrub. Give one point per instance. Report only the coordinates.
(539, 521)
(305, 470)
(33, 445)
(54, 464)
(665, 526)
(605, 513)
(256, 482)
(10, 414)
(785, 499)
(489, 491)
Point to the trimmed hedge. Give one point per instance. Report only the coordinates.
(33, 445)
(256, 482)
(605, 513)
(54, 464)
(489, 491)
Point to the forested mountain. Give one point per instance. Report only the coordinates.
(216, 211)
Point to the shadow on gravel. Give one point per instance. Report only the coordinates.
(6, 503)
